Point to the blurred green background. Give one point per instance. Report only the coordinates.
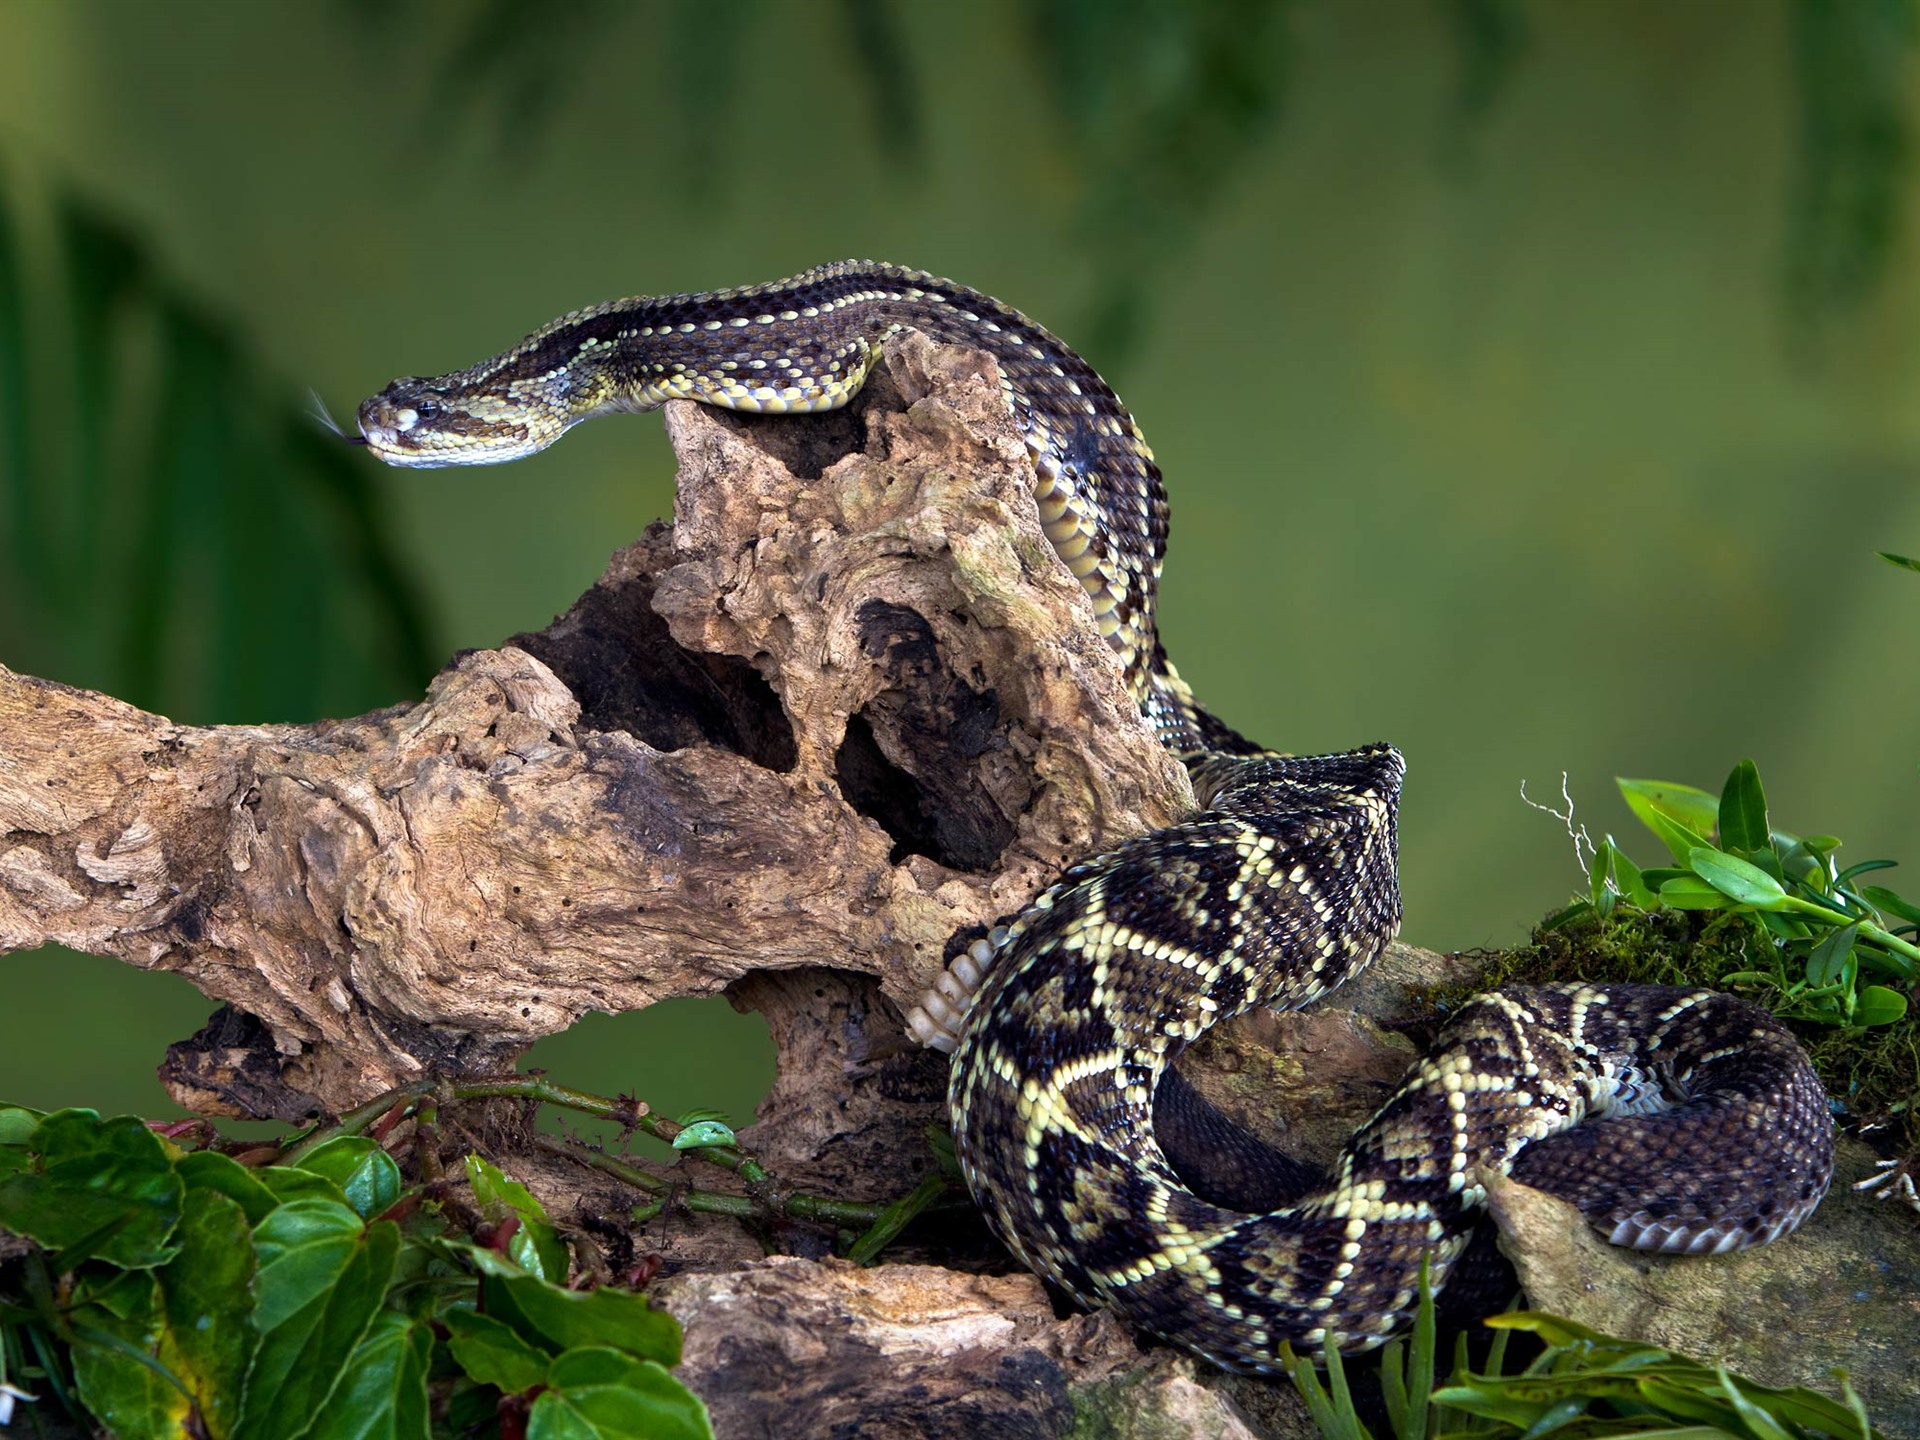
(1533, 382)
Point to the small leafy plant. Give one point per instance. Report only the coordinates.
(1583, 1386)
(314, 1292)
(1833, 937)
(170, 1293)
(1588, 1384)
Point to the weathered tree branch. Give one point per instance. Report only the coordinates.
(848, 706)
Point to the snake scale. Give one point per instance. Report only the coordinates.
(1677, 1120)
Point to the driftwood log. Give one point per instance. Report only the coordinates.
(798, 747)
(847, 708)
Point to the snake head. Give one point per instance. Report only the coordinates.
(425, 424)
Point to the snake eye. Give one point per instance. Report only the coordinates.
(426, 409)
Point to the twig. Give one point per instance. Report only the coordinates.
(791, 1205)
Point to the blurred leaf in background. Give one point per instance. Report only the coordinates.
(1162, 104)
(1161, 107)
(1854, 66)
(1490, 36)
(1156, 105)
(175, 529)
(508, 64)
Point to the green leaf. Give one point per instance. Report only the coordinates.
(1473, 1395)
(132, 1399)
(95, 1189)
(1888, 903)
(1680, 815)
(940, 1144)
(322, 1276)
(1879, 1005)
(1752, 1418)
(1329, 1419)
(1639, 1380)
(304, 1247)
(1810, 1409)
(493, 1353)
(1341, 1394)
(1801, 863)
(1822, 1011)
(366, 1174)
(1393, 1390)
(383, 1395)
(1737, 878)
(207, 1301)
(211, 1171)
(1567, 916)
(117, 1294)
(601, 1394)
(496, 1193)
(1905, 562)
(471, 1410)
(896, 1217)
(1828, 962)
(115, 1324)
(1410, 1386)
(1687, 892)
(1863, 868)
(703, 1132)
(545, 1313)
(1631, 879)
(1742, 815)
(288, 1184)
(17, 1123)
(1783, 926)
(1551, 1329)
(1599, 894)
(536, 1246)
(170, 508)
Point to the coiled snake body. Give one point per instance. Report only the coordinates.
(1677, 1120)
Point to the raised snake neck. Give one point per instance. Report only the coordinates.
(1284, 884)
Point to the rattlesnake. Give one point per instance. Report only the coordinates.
(1678, 1120)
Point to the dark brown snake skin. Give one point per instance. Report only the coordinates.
(1677, 1120)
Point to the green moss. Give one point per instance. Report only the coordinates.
(1875, 1071)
